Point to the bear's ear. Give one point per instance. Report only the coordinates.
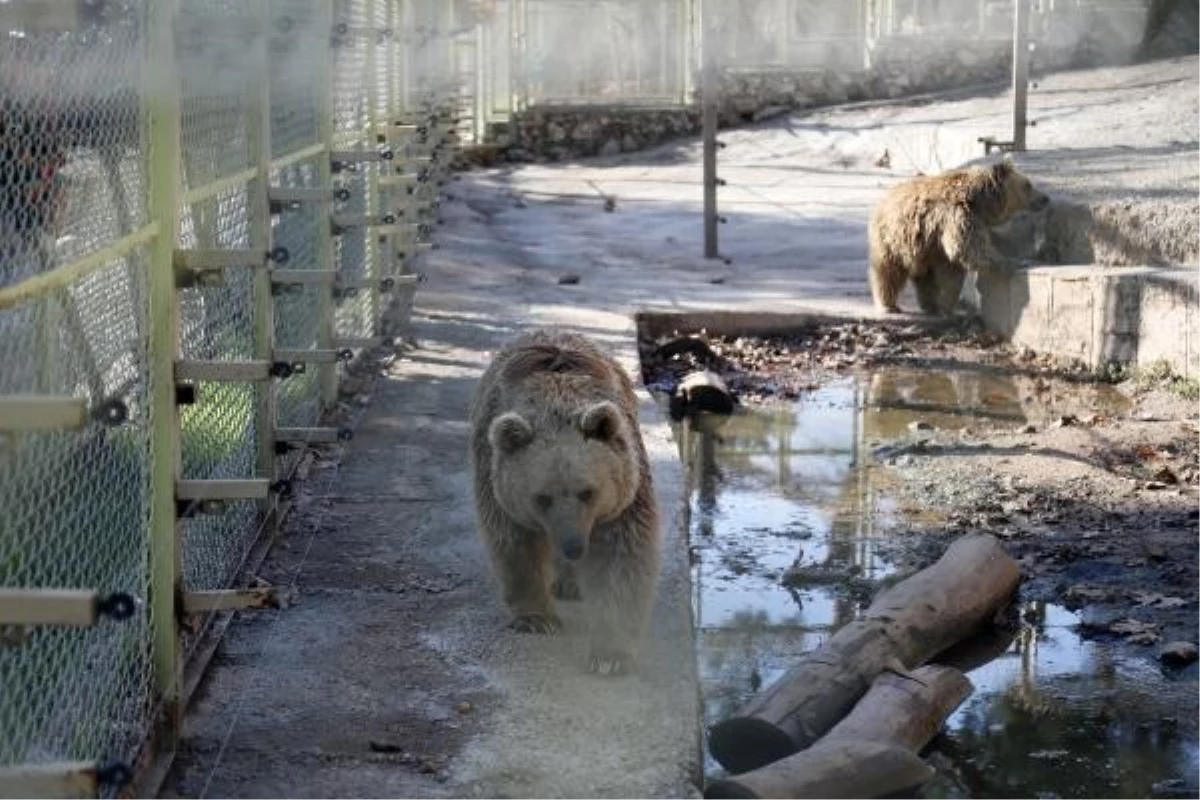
(1002, 168)
(510, 432)
(601, 421)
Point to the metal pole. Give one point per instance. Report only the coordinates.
(160, 98)
(1020, 71)
(327, 380)
(687, 56)
(373, 250)
(708, 91)
(260, 236)
(483, 104)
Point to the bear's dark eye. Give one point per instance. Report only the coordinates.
(544, 501)
(586, 496)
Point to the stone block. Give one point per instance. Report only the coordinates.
(1069, 331)
(1031, 308)
(1167, 327)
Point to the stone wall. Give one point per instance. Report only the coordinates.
(900, 66)
(555, 133)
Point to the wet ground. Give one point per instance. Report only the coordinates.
(860, 451)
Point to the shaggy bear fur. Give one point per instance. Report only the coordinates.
(563, 491)
(933, 229)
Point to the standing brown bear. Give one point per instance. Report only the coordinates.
(563, 491)
(933, 228)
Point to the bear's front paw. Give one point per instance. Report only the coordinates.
(605, 661)
(565, 588)
(536, 623)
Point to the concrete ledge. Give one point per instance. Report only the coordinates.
(1130, 315)
(653, 324)
(732, 323)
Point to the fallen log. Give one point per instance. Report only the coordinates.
(904, 627)
(870, 753)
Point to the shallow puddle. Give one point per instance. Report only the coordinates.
(1057, 716)
(791, 530)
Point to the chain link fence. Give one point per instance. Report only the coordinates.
(606, 51)
(792, 34)
(561, 54)
(205, 208)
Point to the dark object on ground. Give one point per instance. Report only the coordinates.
(701, 393)
(687, 345)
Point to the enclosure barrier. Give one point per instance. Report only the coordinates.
(205, 210)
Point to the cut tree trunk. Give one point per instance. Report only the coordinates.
(870, 753)
(904, 627)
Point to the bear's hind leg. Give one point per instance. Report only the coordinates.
(887, 278)
(927, 291)
(950, 280)
(526, 571)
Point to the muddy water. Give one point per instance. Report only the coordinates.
(792, 531)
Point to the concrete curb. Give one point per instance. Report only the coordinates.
(1127, 315)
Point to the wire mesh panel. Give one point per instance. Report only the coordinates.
(296, 82)
(425, 31)
(495, 61)
(606, 51)
(74, 505)
(795, 34)
(357, 175)
(75, 514)
(298, 306)
(70, 176)
(295, 75)
(218, 68)
(217, 323)
(218, 431)
(215, 45)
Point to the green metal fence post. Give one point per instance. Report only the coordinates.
(405, 66)
(372, 251)
(160, 96)
(259, 207)
(483, 105)
(519, 32)
(328, 376)
(389, 116)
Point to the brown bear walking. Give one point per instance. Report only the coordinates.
(563, 491)
(933, 229)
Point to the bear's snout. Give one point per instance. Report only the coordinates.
(572, 548)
